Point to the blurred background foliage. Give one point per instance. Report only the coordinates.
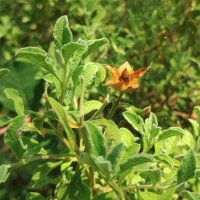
(164, 32)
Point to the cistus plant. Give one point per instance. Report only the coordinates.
(129, 157)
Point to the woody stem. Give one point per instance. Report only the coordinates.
(114, 106)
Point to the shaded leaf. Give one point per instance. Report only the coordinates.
(3, 72)
(34, 196)
(96, 138)
(17, 100)
(12, 138)
(40, 175)
(35, 56)
(190, 195)
(135, 160)
(114, 155)
(4, 173)
(62, 116)
(187, 167)
(152, 175)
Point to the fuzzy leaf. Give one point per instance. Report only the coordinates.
(62, 116)
(12, 138)
(135, 121)
(96, 138)
(17, 100)
(35, 56)
(172, 131)
(152, 175)
(70, 49)
(114, 155)
(136, 160)
(100, 76)
(89, 106)
(93, 45)
(89, 72)
(61, 32)
(187, 167)
(126, 137)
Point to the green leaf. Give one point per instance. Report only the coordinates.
(61, 32)
(190, 195)
(135, 121)
(152, 175)
(96, 139)
(131, 150)
(4, 173)
(165, 159)
(36, 56)
(168, 194)
(151, 127)
(73, 49)
(21, 78)
(187, 167)
(135, 160)
(100, 75)
(4, 120)
(112, 132)
(12, 138)
(17, 100)
(77, 189)
(89, 73)
(32, 147)
(126, 137)
(40, 176)
(52, 79)
(93, 45)
(89, 106)
(195, 126)
(105, 196)
(172, 131)
(34, 196)
(149, 196)
(115, 154)
(104, 166)
(62, 116)
(3, 72)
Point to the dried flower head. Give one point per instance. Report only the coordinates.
(124, 78)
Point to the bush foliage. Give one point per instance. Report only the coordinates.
(72, 136)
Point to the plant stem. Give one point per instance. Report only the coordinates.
(42, 157)
(106, 101)
(114, 106)
(81, 101)
(133, 187)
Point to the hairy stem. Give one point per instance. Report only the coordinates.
(100, 110)
(42, 157)
(81, 101)
(114, 106)
(134, 187)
